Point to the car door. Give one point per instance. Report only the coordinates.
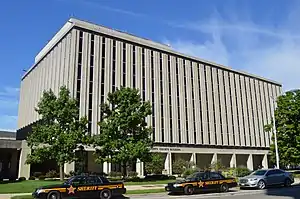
(271, 177)
(73, 187)
(92, 183)
(279, 177)
(214, 180)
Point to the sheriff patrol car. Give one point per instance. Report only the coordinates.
(202, 181)
(81, 187)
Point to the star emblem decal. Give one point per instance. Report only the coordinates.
(71, 189)
(201, 184)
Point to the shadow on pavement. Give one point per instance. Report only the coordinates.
(291, 192)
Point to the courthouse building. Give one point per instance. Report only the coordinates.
(202, 111)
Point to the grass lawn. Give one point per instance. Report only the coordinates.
(30, 185)
(128, 193)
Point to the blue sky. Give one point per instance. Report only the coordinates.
(260, 37)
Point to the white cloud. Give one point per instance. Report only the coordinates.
(269, 51)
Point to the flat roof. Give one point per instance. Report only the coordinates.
(72, 22)
(7, 134)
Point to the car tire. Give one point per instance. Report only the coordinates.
(261, 184)
(105, 194)
(188, 190)
(224, 187)
(53, 195)
(287, 182)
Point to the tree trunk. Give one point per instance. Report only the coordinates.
(124, 171)
(61, 172)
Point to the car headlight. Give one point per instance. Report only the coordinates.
(253, 179)
(40, 191)
(177, 185)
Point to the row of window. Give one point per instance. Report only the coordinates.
(230, 109)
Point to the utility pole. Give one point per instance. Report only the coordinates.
(275, 133)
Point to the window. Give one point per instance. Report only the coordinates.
(215, 176)
(185, 101)
(102, 73)
(133, 67)
(79, 180)
(79, 68)
(114, 67)
(178, 101)
(103, 179)
(153, 104)
(124, 64)
(93, 180)
(143, 73)
(170, 98)
(200, 101)
(161, 96)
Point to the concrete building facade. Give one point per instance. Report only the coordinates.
(202, 111)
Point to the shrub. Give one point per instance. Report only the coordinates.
(72, 173)
(41, 177)
(22, 178)
(52, 174)
(156, 177)
(37, 174)
(156, 164)
(115, 174)
(179, 166)
(132, 174)
(217, 166)
(31, 178)
(189, 171)
(242, 171)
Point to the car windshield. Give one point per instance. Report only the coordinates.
(259, 173)
(194, 175)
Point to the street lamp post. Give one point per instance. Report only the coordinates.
(275, 133)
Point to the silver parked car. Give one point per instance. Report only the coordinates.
(266, 177)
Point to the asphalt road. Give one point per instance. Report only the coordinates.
(274, 193)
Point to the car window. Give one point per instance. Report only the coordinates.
(215, 176)
(205, 176)
(103, 179)
(271, 172)
(93, 180)
(259, 172)
(80, 180)
(277, 171)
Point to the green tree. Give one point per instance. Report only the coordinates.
(59, 132)
(124, 135)
(156, 164)
(179, 166)
(287, 122)
(217, 166)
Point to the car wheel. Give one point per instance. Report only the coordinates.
(287, 182)
(53, 195)
(105, 194)
(261, 184)
(188, 190)
(224, 188)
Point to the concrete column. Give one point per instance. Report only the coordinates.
(140, 168)
(265, 162)
(14, 163)
(214, 158)
(168, 164)
(233, 161)
(250, 162)
(194, 159)
(24, 169)
(106, 167)
(68, 167)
